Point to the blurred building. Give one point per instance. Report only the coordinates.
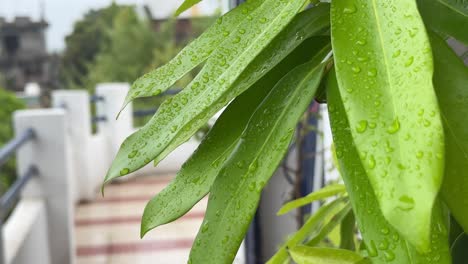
(23, 54)
(161, 10)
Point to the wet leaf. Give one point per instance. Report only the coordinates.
(199, 50)
(311, 225)
(196, 176)
(384, 68)
(326, 192)
(459, 249)
(447, 16)
(236, 191)
(327, 228)
(218, 83)
(451, 86)
(315, 255)
(347, 232)
(383, 242)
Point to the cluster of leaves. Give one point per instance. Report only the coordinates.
(9, 104)
(397, 99)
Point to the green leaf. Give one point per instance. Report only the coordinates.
(384, 68)
(326, 192)
(347, 232)
(195, 178)
(310, 226)
(459, 249)
(187, 4)
(383, 242)
(236, 191)
(329, 226)
(313, 255)
(219, 82)
(447, 16)
(450, 82)
(195, 53)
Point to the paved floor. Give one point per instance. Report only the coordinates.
(107, 229)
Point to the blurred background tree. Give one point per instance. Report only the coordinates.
(88, 38)
(9, 103)
(118, 44)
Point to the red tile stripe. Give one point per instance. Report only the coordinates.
(139, 182)
(121, 199)
(129, 248)
(128, 220)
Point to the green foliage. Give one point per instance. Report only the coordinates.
(450, 82)
(80, 51)
(9, 103)
(383, 242)
(377, 91)
(125, 56)
(311, 255)
(447, 16)
(326, 192)
(397, 102)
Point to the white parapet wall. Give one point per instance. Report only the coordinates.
(26, 234)
(50, 153)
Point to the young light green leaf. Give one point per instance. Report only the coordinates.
(195, 178)
(195, 53)
(314, 255)
(451, 86)
(236, 191)
(383, 242)
(249, 60)
(326, 192)
(325, 230)
(186, 5)
(447, 16)
(311, 225)
(384, 68)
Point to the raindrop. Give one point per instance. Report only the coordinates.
(204, 227)
(350, 9)
(409, 62)
(361, 126)
(389, 255)
(396, 53)
(372, 72)
(372, 250)
(406, 203)
(132, 154)
(371, 162)
(124, 171)
(419, 154)
(356, 69)
(361, 42)
(394, 127)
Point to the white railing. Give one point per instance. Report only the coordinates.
(71, 164)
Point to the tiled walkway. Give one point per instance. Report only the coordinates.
(107, 229)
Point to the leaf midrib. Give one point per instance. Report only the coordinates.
(452, 8)
(387, 71)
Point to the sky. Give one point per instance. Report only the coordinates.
(61, 14)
